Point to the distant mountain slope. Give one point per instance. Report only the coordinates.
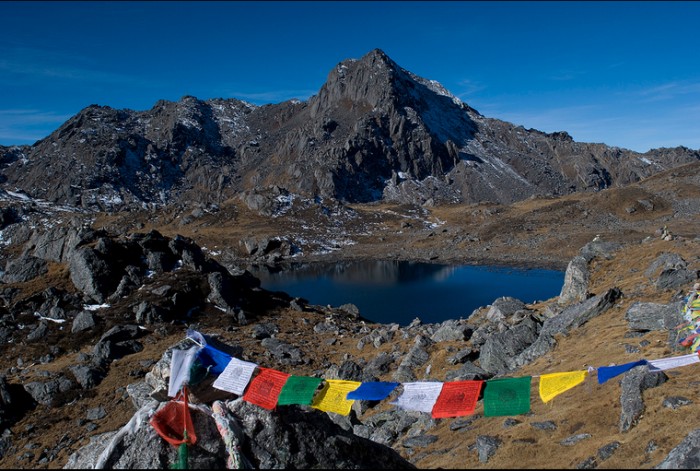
(373, 132)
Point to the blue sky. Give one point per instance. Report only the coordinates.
(623, 73)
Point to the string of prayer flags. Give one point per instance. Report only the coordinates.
(235, 376)
(553, 384)
(298, 390)
(373, 391)
(213, 359)
(507, 396)
(180, 367)
(333, 396)
(673, 362)
(419, 396)
(265, 388)
(608, 372)
(457, 398)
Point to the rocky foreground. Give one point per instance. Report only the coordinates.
(90, 319)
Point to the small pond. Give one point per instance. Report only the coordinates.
(399, 291)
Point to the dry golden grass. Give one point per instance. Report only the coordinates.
(537, 232)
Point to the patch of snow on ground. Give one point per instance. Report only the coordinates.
(94, 307)
(20, 196)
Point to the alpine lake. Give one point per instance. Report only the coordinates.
(400, 291)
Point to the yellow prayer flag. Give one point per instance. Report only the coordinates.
(553, 384)
(333, 396)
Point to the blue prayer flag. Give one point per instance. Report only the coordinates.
(214, 359)
(607, 372)
(372, 391)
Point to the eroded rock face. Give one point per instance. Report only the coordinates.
(374, 131)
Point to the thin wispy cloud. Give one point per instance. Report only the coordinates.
(26, 126)
(669, 90)
(467, 88)
(22, 63)
(565, 75)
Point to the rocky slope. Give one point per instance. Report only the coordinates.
(373, 132)
(89, 320)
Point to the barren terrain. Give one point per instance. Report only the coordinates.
(544, 232)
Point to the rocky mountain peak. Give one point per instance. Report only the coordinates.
(374, 131)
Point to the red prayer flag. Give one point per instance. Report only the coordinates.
(265, 388)
(457, 398)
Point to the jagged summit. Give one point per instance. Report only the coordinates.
(374, 131)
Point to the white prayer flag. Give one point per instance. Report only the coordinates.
(235, 376)
(673, 362)
(180, 365)
(419, 396)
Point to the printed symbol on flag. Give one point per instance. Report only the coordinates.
(506, 395)
(265, 388)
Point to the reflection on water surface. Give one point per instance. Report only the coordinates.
(399, 291)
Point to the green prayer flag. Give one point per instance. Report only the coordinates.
(298, 390)
(507, 396)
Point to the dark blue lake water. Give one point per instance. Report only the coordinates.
(393, 291)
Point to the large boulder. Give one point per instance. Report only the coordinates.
(653, 316)
(684, 456)
(576, 279)
(288, 437)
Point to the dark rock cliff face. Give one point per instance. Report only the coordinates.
(374, 131)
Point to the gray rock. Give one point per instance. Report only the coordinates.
(86, 376)
(83, 321)
(547, 425)
(497, 352)
(675, 402)
(451, 330)
(634, 382)
(351, 310)
(574, 439)
(145, 449)
(461, 356)
(654, 316)
(686, 455)
(378, 366)
(419, 441)
(588, 463)
(486, 446)
(503, 308)
(416, 356)
(265, 330)
(673, 278)
(220, 291)
(575, 316)
(599, 248)
(24, 269)
(463, 424)
(510, 422)
(96, 413)
(468, 371)
(91, 275)
(607, 451)
(576, 279)
(291, 438)
(117, 342)
(39, 332)
(284, 352)
(47, 393)
(665, 261)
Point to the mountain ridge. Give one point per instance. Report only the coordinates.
(373, 132)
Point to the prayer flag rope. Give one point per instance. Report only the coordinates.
(269, 388)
